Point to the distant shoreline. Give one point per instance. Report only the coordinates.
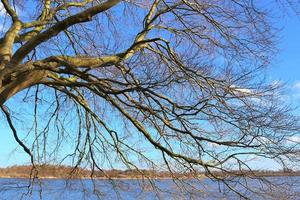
(141, 178)
(67, 172)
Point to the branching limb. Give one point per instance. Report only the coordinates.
(15, 134)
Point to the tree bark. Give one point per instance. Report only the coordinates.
(21, 82)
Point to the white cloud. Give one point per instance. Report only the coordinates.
(295, 90)
(2, 10)
(294, 139)
(239, 90)
(244, 90)
(297, 86)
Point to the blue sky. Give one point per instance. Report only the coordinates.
(287, 65)
(285, 68)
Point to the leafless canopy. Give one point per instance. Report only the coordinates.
(173, 85)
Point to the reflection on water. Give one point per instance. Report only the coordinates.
(49, 189)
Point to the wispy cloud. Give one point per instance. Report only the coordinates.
(297, 85)
(2, 10)
(294, 139)
(296, 90)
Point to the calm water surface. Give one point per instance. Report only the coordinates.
(49, 189)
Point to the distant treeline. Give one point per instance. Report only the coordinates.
(65, 172)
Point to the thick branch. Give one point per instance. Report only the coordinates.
(22, 82)
(60, 26)
(7, 43)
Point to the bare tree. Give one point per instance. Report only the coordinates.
(173, 85)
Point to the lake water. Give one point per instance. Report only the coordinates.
(49, 189)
